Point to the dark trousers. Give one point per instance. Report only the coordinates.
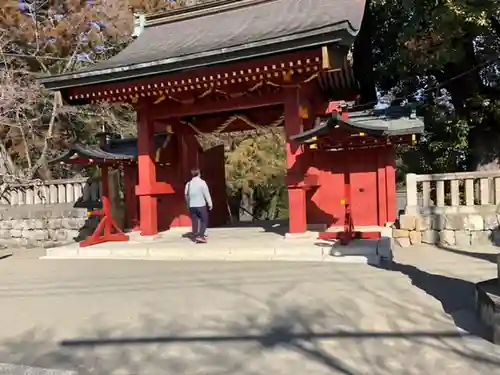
(199, 219)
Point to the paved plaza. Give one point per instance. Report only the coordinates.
(246, 318)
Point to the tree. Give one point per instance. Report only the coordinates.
(54, 37)
(443, 55)
(255, 169)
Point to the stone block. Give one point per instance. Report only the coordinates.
(70, 223)
(488, 307)
(447, 237)
(75, 213)
(422, 223)
(438, 222)
(34, 243)
(462, 238)
(48, 244)
(402, 242)
(72, 234)
(81, 222)
(415, 237)
(430, 236)
(54, 224)
(491, 221)
(6, 224)
(7, 242)
(384, 248)
(386, 232)
(58, 235)
(5, 233)
(39, 224)
(28, 224)
(19, 224)
(474, 222)
(407, 222)
(34, 224)
(481, 237)
(36, 235)
(454, 221)
(21, 242)
(16, 233)
(400, 233)
(495, 237)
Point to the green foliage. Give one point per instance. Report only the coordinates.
(255, 160)
(446, 49)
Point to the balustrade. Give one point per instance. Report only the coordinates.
(84, 190)
(465, 192)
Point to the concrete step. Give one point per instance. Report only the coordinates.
(281, 250)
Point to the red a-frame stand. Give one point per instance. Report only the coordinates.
(107, 230)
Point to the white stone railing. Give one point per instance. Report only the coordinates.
(52, 192)
(465, 192)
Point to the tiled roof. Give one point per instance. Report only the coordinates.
(233, 30)
(116, 150)
(387, 122)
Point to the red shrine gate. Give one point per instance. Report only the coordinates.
(290, 71)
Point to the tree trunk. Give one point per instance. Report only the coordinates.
(363, 59)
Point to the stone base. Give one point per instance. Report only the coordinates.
(488, 306)
(232, 244)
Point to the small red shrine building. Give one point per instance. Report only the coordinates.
(225, 66)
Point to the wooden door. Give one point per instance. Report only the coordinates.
(364, 194)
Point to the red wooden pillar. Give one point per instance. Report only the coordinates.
(382, 186)
(295, 174)
(390, 173)
(148, 202)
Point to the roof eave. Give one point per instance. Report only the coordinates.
(338, 34)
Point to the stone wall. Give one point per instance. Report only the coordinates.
(43, 225)
(457, 229)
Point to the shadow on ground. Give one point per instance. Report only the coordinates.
(456, 296)
(299, 338)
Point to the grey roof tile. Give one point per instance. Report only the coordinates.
(221, 34)
(117, 150)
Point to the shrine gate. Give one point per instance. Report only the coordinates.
(230, 65)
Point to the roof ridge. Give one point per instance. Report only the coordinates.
(199, 10)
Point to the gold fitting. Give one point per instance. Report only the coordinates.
(304, 112)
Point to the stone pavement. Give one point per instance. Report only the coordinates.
(247, 318)
(253, 243)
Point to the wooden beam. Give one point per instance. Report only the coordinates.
(310, 61)
(203, 107)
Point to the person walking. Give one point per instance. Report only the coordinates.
(199, 201)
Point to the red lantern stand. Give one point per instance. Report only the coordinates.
(349, 233)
